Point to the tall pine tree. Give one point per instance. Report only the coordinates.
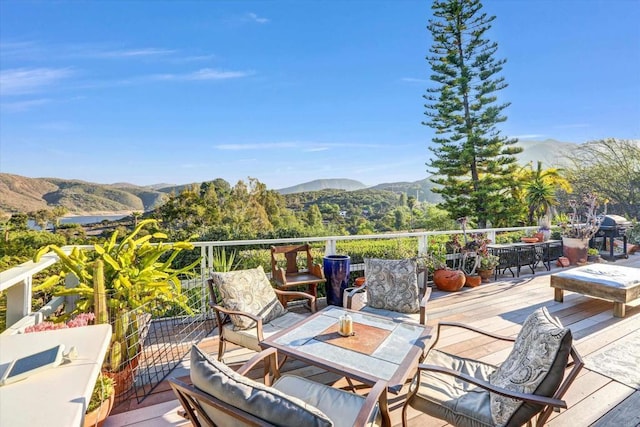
(473, 164)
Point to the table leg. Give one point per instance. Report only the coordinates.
(558, 294)
(618, 309)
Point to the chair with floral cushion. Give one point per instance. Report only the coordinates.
(529, 383)
(391, 290)
(248, 308)
(221, 396)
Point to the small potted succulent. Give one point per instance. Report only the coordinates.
(488, 263)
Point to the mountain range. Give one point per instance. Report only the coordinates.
(24, 194)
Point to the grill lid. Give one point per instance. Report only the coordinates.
(614, 221)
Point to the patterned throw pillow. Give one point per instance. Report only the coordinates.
(392, 284)
(251, 292)
(532, 357)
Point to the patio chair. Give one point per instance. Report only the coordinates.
(247, 308)
(530, 382)
(307, 273)
(221, 396)
(391, 290)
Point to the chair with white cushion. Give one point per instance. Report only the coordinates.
(247, 307)
(221, 396)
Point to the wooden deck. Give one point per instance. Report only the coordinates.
(593, 399)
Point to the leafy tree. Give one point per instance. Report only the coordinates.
(611, 168)
(41, 217)
(473, 163)
(17, 222)
(314, 216)
(540, 188)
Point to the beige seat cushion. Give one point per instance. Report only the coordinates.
(392, 284)
(405, 317)
(249, 337)
(456, 401)
(342, 406)
(248, 291)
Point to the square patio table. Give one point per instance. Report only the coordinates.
(382, 348)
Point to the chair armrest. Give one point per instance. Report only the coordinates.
(280, 275)
(311, 298)
(377, 395)
(467, 327)
(476, 330)
(220, 309)
(270, 358)
(219, 319)
(527, 397)
(316, 270)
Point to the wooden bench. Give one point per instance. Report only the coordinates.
(609, 282)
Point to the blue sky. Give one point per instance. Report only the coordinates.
(286, 91)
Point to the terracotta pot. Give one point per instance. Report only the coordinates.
(472, 281)
(539, 236)
(575, 249)
(97, 417)
(124, 379)
(485, 275)
(449, 280)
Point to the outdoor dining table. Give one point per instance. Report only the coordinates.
(520, 254)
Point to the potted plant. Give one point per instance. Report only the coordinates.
(444, 278)
(593, 255)
(488, 263)
(633, 236)
(124, 282)
(544, 227)
(580, 228)
(101, 402)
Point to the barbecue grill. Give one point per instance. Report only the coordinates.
(612, 227)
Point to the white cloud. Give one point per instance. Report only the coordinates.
(255, 18)
(130, 53)
(204, 74)
(21, 106)
(263, 146)
(24, 80)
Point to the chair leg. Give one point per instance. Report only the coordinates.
(313, 289)
(222, 345)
